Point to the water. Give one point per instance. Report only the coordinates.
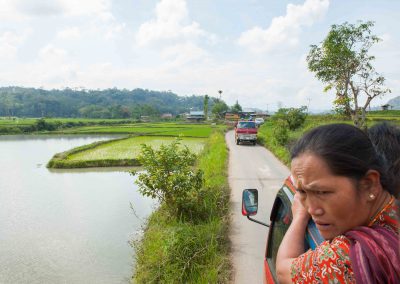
(64, 226)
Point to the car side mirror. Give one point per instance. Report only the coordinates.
(249, 202)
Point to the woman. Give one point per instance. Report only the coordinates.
(342, 186)
(386, 140)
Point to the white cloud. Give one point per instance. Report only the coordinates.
(171, 22)
(9, 43)
(99, 8)
(17, 9)
(284, 30)
(69, 33)
(181, 54)
(50, 52)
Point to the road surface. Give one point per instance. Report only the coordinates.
(251, 167)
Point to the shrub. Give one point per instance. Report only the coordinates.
(170, 179)
(281, 132)
(294, 117)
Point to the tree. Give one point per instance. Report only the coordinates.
(342, 62)
(219, 108)
(236, 108)
(205, 106)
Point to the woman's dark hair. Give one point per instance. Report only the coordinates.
(386, 139)
(347, 150)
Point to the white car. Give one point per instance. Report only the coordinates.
(259, 120)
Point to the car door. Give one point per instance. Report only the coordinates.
(281, 217)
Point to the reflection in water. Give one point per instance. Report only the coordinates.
(64, 226)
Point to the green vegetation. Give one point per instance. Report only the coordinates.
(169, 178)
(278, 138)
(118, 152)
(158, 129)
(191, 250)
(96, 126)
(388, 115)
(16, 125)
(108, 103)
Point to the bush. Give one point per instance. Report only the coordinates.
(281, 132)
(169, 178)
(294, 117)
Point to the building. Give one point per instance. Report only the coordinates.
(230, 116)
(386, 107)
(196, 116)
(166, 116)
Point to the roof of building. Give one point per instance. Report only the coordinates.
(196, 112)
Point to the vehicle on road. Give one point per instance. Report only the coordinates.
(259, 121)
(280, 218)
(246, 131)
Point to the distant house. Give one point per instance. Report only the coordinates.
(166, 116)
(247, 113)
(144, 118)
(262, 114)
(386, 106)
(230, 116)
(196, 115)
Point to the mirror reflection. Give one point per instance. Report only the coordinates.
(249, 202)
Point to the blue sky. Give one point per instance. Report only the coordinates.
(254, 51)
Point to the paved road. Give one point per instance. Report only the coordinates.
(251, 167)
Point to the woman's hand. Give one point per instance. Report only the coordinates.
(299, 212)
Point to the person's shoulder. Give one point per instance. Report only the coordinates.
(390, 217)
(331, 255)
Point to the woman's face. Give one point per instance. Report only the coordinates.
(332, 201)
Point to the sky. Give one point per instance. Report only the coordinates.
(253, 50)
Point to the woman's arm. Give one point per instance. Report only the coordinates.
(292, 245)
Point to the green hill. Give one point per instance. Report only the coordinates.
(108, 103)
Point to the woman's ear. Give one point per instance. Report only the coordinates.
(370, 185)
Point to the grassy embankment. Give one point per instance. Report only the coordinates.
(282, 152)
(174, 251)
(122, 152)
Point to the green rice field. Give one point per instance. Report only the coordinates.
(159, 129)
(130, 148)
(118, 152)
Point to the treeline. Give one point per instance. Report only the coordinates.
(47, 125)
(108, 103)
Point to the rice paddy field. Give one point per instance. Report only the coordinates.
(157, 129)
(130, 148)
(123, 152)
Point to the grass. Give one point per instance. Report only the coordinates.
(30, 121)
(118, 152)
(173, 251)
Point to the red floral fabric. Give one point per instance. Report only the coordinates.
(330, 261)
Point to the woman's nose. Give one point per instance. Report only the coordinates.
(314, 209)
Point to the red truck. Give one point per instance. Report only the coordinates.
(246, 131)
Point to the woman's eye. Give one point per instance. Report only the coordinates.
(301, 191)
(321, 192)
